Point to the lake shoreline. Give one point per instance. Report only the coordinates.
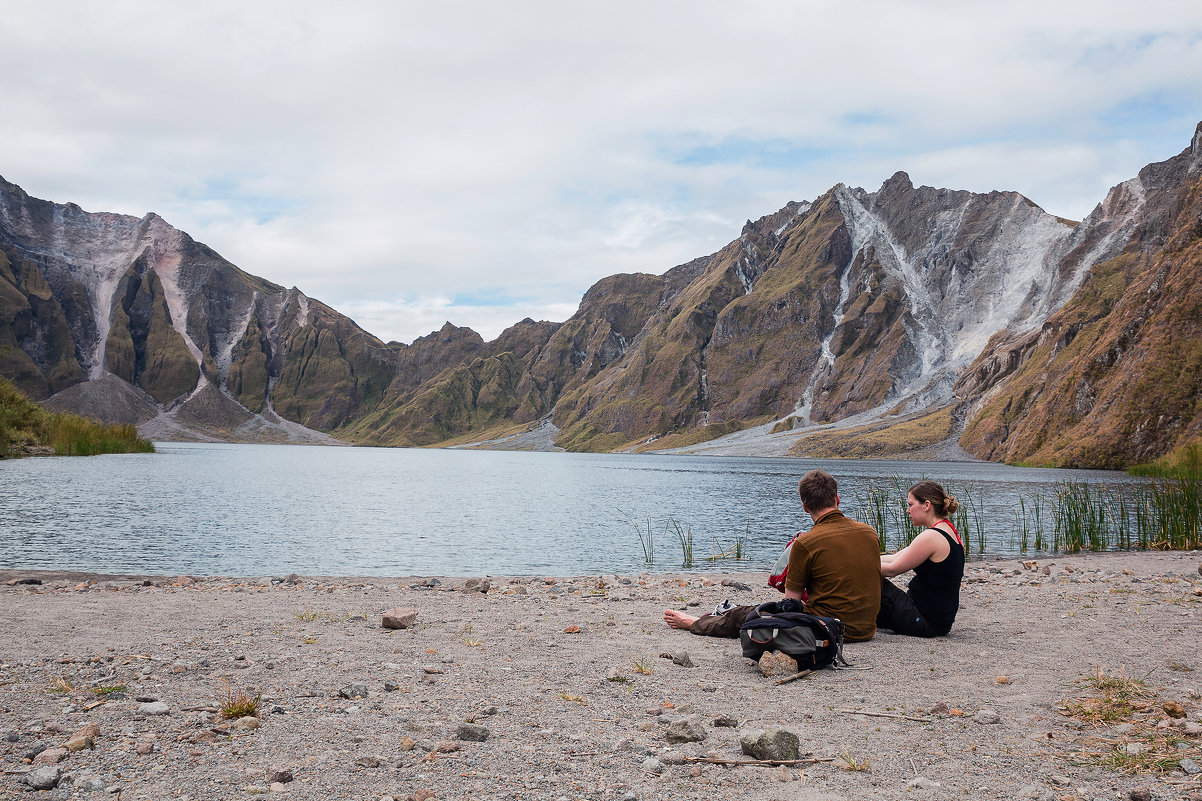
(550, 666)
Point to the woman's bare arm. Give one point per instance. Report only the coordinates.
(922, 548)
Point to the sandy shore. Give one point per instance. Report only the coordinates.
(548, 668)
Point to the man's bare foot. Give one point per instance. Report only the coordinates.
(678, 621)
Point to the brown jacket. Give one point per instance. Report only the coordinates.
(838, 563)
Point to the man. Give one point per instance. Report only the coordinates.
(836, 564)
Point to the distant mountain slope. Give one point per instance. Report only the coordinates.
(1115, 376)
(888, 322)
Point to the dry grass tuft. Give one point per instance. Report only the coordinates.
(1148, 742)
(236, 704)
(61, 685)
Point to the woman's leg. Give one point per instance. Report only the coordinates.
(900, 615)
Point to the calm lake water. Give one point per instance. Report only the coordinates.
(252, 510)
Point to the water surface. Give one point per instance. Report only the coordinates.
(275, 509)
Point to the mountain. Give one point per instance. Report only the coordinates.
(898, 322)
(1115, 375)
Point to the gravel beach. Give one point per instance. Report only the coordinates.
(573, 688)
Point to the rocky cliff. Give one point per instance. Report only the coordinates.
(1115, 375)
(860, 323)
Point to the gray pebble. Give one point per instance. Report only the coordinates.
(154, 708)
(43, 778)
(685, 730)
(653, 765)
(775, 743)
(472, 732)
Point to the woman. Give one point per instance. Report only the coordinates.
(936, 556)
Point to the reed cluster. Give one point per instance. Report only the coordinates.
(1072, 516)
(1162, 514)
(683, 535)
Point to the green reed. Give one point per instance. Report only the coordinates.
(684, 538)
(1163, 514)
(647, 541)
(874, 509)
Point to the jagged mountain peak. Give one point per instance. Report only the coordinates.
(856, 306)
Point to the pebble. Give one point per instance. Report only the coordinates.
(683, 659)
(1140, 793)
(775, 744)
(400, 618)
(726, 722)
(51, 756)
(653, 765)
(922, 783)
(481, 585)
(248, 723)
(80, 742)
(472, 732)
(1190, 767)
(154, 708)
(353, 691)
(685, 730)
(777, 664)
(44, 778)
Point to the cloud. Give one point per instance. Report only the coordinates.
(441, 150)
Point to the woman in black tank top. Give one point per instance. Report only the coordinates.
(936, 556)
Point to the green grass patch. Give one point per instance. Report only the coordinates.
(26, 428)
(1183, 463)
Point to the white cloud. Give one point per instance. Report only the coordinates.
(388, 150)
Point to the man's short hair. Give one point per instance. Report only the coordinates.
(818, 490)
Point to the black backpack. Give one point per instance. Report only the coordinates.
(814, 641)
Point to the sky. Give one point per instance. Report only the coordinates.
(479, 162)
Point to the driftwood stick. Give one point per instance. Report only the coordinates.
(760, 762)
(885, 715)
(794, 677)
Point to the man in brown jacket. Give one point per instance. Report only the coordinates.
(836, 565)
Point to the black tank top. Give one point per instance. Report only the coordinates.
(935, 588)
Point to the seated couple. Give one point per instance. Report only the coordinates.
(838, 566)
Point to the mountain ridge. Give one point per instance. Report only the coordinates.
(857, 309)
